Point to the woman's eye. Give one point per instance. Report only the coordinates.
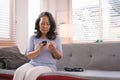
(48, 24)
(42, 23)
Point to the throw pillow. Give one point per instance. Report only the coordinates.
(12, 58)
(2, 63)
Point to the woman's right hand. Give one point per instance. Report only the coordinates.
(37, 52)
(41, 46)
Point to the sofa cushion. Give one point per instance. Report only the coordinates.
(11, 58)
(74, 56)
(102, 56)
(106, 57)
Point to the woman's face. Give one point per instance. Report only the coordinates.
(44, 25)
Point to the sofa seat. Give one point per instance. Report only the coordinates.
(58, 77)
(61, 75)
(6, 74)
(97, 74)
(46, 77)
(64, 75)
(86, 75)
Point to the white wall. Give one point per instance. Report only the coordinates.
(59, 9)
(21, 11)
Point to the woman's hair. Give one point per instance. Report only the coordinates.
(51, 34)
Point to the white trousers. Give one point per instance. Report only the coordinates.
(29, 72)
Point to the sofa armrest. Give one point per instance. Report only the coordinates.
(85, 75)
(6, 71)
(6, 74)
(59, 75)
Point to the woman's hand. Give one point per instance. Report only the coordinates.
(37, 52)
(52, 46)
(41, 46)
(55, 52)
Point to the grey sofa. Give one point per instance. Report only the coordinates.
(100, 61)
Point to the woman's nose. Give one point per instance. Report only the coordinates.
(45, 25)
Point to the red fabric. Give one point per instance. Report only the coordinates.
(57, 77)
(6, 76)
(53, 77)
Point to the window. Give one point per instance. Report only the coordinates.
(35, 7)
(7, 25)
(96, 20)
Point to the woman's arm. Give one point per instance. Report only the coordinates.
(36, 52)
(56, 54)
(31, 51)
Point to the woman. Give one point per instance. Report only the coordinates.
(43, 50)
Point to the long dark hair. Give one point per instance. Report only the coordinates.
(51, 34)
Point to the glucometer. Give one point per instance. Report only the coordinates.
(73, 69)
(44, 42)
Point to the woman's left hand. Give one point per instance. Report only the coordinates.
(56, 54)
(52, 46)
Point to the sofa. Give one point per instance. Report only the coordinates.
(99, 61)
